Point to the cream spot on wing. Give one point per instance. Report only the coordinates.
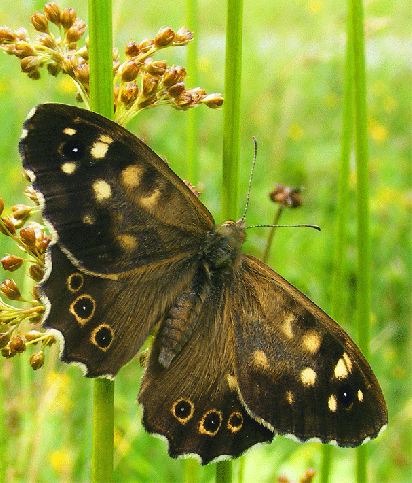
(287, 325)
(24, 133)
(102, 190)
(311, 342)
(308, 376)
(348, 362)
(69, 131)
(289, 397)
(88, 219)
(151, 200)
(69, 167)
(99, 150)
(232, 382)
(127, 242)
(31, 113)
(260, 359)
(332, 403)
(360, 396)
(343, 367)
(105, 138)
(132, 175)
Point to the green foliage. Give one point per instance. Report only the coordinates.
(292, 101)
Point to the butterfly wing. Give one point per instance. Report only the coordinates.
(194, 403)
(113, 204)
(298, 372)
(127, 233)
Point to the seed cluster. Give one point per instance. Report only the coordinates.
(138, 82)
(19, 326)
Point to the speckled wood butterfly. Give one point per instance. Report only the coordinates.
(239, 354)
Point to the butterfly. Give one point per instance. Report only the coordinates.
(239, 354)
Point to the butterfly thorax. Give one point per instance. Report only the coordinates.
(224, 245)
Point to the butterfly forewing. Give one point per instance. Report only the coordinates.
(112, 202)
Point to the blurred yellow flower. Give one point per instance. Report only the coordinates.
(66, 85)
(296, 132)
(378, 132)
(61, 461)
(389, 104)
(314, 6)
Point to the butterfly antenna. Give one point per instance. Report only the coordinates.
(316, 227)
(250, 179)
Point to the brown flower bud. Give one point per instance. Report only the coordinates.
(7, 353)
(22, 50)
(11, 262)
(1, 205)
(164, 37)
(176, 89)
(21, 34)
(130, 70)
(42, 243)
(47, 40)
(132, 49)
(4, 339)
(197, 94)
(17, 344)
(182, 37)
(82, 72)
(34, 74)
(285, 195)
(83, 52)
(67, 17)
(32, 195)
(50, 340)
(9, 288)
(35, 293)
(129, 93)
(147, 102)
(36, 360)
(9, 227)
(52, 12)
(28, 236)
(149, 85)
(184, 100)
(54, 69)
(213, 100)
(32, 335)
(73, 34)
(39, 22)
(21, 212)
(145, 45)
(36, 272)
(157, 67)
(30, 63)
(6, 35)
(173, 75)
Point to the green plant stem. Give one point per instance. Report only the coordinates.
(361, 147)
(231, 112)
(341, 238)
(101, 100)
(192, 127)
(272, 233)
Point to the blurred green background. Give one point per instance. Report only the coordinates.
(293, 72)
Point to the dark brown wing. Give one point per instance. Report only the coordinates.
(194, 403)
(297, 370)
(113, 204)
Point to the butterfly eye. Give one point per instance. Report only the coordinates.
(73, 149)
(346, 395)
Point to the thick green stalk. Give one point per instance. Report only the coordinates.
(192, 150)
(231, 112)
(101, 100)
(231, 141)
(338, 278)
(363, 279)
